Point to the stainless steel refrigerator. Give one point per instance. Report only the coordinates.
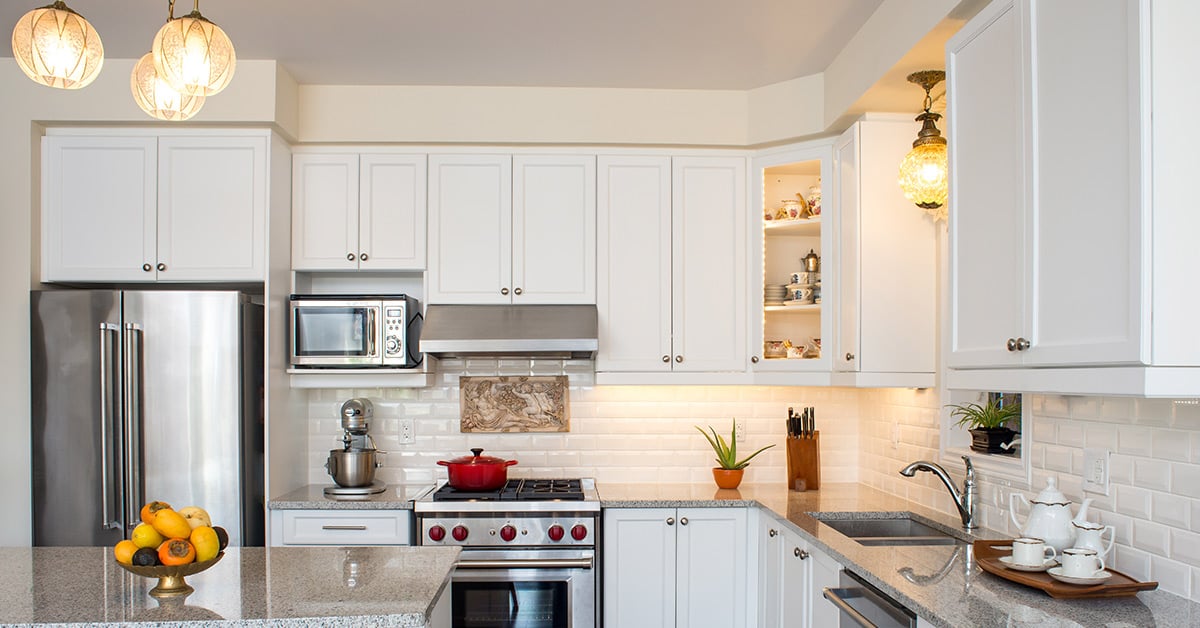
(145, 395)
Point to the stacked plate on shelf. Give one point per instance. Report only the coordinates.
(774, 294)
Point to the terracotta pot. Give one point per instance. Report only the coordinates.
(476, 472)
(728, 478)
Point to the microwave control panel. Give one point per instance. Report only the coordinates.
(393, 332)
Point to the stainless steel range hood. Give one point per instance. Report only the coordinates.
(511, 331)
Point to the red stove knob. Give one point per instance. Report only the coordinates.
(437, 533)
(508, 533)
(459, 533)
(555, 532)
(579, 532)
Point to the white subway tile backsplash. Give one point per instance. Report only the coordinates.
(1185, 546)
(1151, 537)
(1134, 440)
(1101, 436)
(1057, 458)
(1070, 433)
(1172, 576)
(1186, 479)
(1152, 474)
(1133, 562)
(1172, 445)
(1134, 502)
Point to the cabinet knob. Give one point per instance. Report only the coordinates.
(161, 266)
(754, 359)
(849, 357)
(683, 521)
(1011, 344)
(1023, 344)
(772, 533)
(518, 291)
(667, 359)
(147, 267)
(349, 257)
(678, 358)
(801, 554)
(670, 521)
(363, 257)
(504, 291)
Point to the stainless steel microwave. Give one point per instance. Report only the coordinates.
(353, 331)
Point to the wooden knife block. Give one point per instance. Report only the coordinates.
(804, 462)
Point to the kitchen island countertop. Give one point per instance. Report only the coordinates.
(313, 497)
(942, 584)
(250, 586)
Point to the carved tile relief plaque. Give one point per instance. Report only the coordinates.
(514, 404)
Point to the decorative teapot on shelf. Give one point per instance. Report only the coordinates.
(1050, 517)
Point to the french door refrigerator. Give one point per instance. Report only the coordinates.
(145, 395)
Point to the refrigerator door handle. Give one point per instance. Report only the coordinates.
(132, 420)
(108, 333)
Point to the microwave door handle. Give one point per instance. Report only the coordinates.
(371, 339)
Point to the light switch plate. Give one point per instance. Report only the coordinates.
(1095, 470)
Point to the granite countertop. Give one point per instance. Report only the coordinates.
(394, 497)
(942, 584)
(279, 586)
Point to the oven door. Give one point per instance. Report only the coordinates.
(336, 333)
(524, 589)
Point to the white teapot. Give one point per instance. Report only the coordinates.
(1049, 516)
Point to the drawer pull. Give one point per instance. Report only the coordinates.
(359, 527)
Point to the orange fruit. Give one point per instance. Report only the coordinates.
(204, 539)
(124, 551)
(176, 552)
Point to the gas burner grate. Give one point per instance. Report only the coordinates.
(518, 490)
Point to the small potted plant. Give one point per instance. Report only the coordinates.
(990, 425)
(729, 472)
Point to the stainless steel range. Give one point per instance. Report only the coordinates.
(529, 552)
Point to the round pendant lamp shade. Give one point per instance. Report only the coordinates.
(194, 55)
(56, 47)
(157, 98)
(923, 176)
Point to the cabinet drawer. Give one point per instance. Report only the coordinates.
(309, 527)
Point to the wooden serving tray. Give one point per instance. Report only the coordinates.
(1119, 585)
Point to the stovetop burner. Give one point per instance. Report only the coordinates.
(518, 490)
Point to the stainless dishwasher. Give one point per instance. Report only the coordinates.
(861, 604)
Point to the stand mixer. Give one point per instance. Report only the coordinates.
(353, 466)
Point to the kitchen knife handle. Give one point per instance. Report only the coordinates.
(107, 522)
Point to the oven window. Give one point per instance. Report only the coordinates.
(509, 604)
(331, 331)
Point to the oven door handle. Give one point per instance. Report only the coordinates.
(837, 596)
(525, 563)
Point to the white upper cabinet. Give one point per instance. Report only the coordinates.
(886, 261)
(1070, 241)
(141, 207)
(671, 265)
(355, 211)
(505, 229)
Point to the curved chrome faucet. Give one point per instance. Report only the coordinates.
(965, 501)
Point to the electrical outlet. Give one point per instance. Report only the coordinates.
(741, 430)
(1095, 470)
(408, 431)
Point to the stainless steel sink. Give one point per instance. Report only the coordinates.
(899, 530)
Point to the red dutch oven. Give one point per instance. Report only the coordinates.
(476, 472)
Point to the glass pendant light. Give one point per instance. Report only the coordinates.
(192, 54)
(157, 98)
(56, 47)
(923, 172)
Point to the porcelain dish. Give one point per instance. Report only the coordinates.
(1096, 578)
(1008, 562)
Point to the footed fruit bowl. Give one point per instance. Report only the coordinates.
(170, 577)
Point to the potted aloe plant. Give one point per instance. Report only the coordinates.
(729, 472)
(990, 424)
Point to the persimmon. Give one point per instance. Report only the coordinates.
(176, 552)
(149, 510)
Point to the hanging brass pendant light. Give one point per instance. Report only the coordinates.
(56, 47)
(192, 54)
(923, 172)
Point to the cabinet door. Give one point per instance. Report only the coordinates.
(325, 212)
(847, 177)
(712, 549)
(639, 567)
(392, 212)
(988, 196)
(212, 208)
(554, 229)
(1087, 212)
(796, 570)
(633, 294)
(470, 229)
(99, 199)
(709, 263)
(770, 575)
(824, 573)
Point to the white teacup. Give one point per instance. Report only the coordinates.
(1079, 562)
(1031, 552)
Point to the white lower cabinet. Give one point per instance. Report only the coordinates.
(341, 527)
(675, 567)
(791, 577)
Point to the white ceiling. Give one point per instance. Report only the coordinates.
(679, 44)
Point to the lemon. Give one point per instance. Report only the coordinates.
(144, 535)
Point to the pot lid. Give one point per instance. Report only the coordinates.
(477, 459)
(1050, 495)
